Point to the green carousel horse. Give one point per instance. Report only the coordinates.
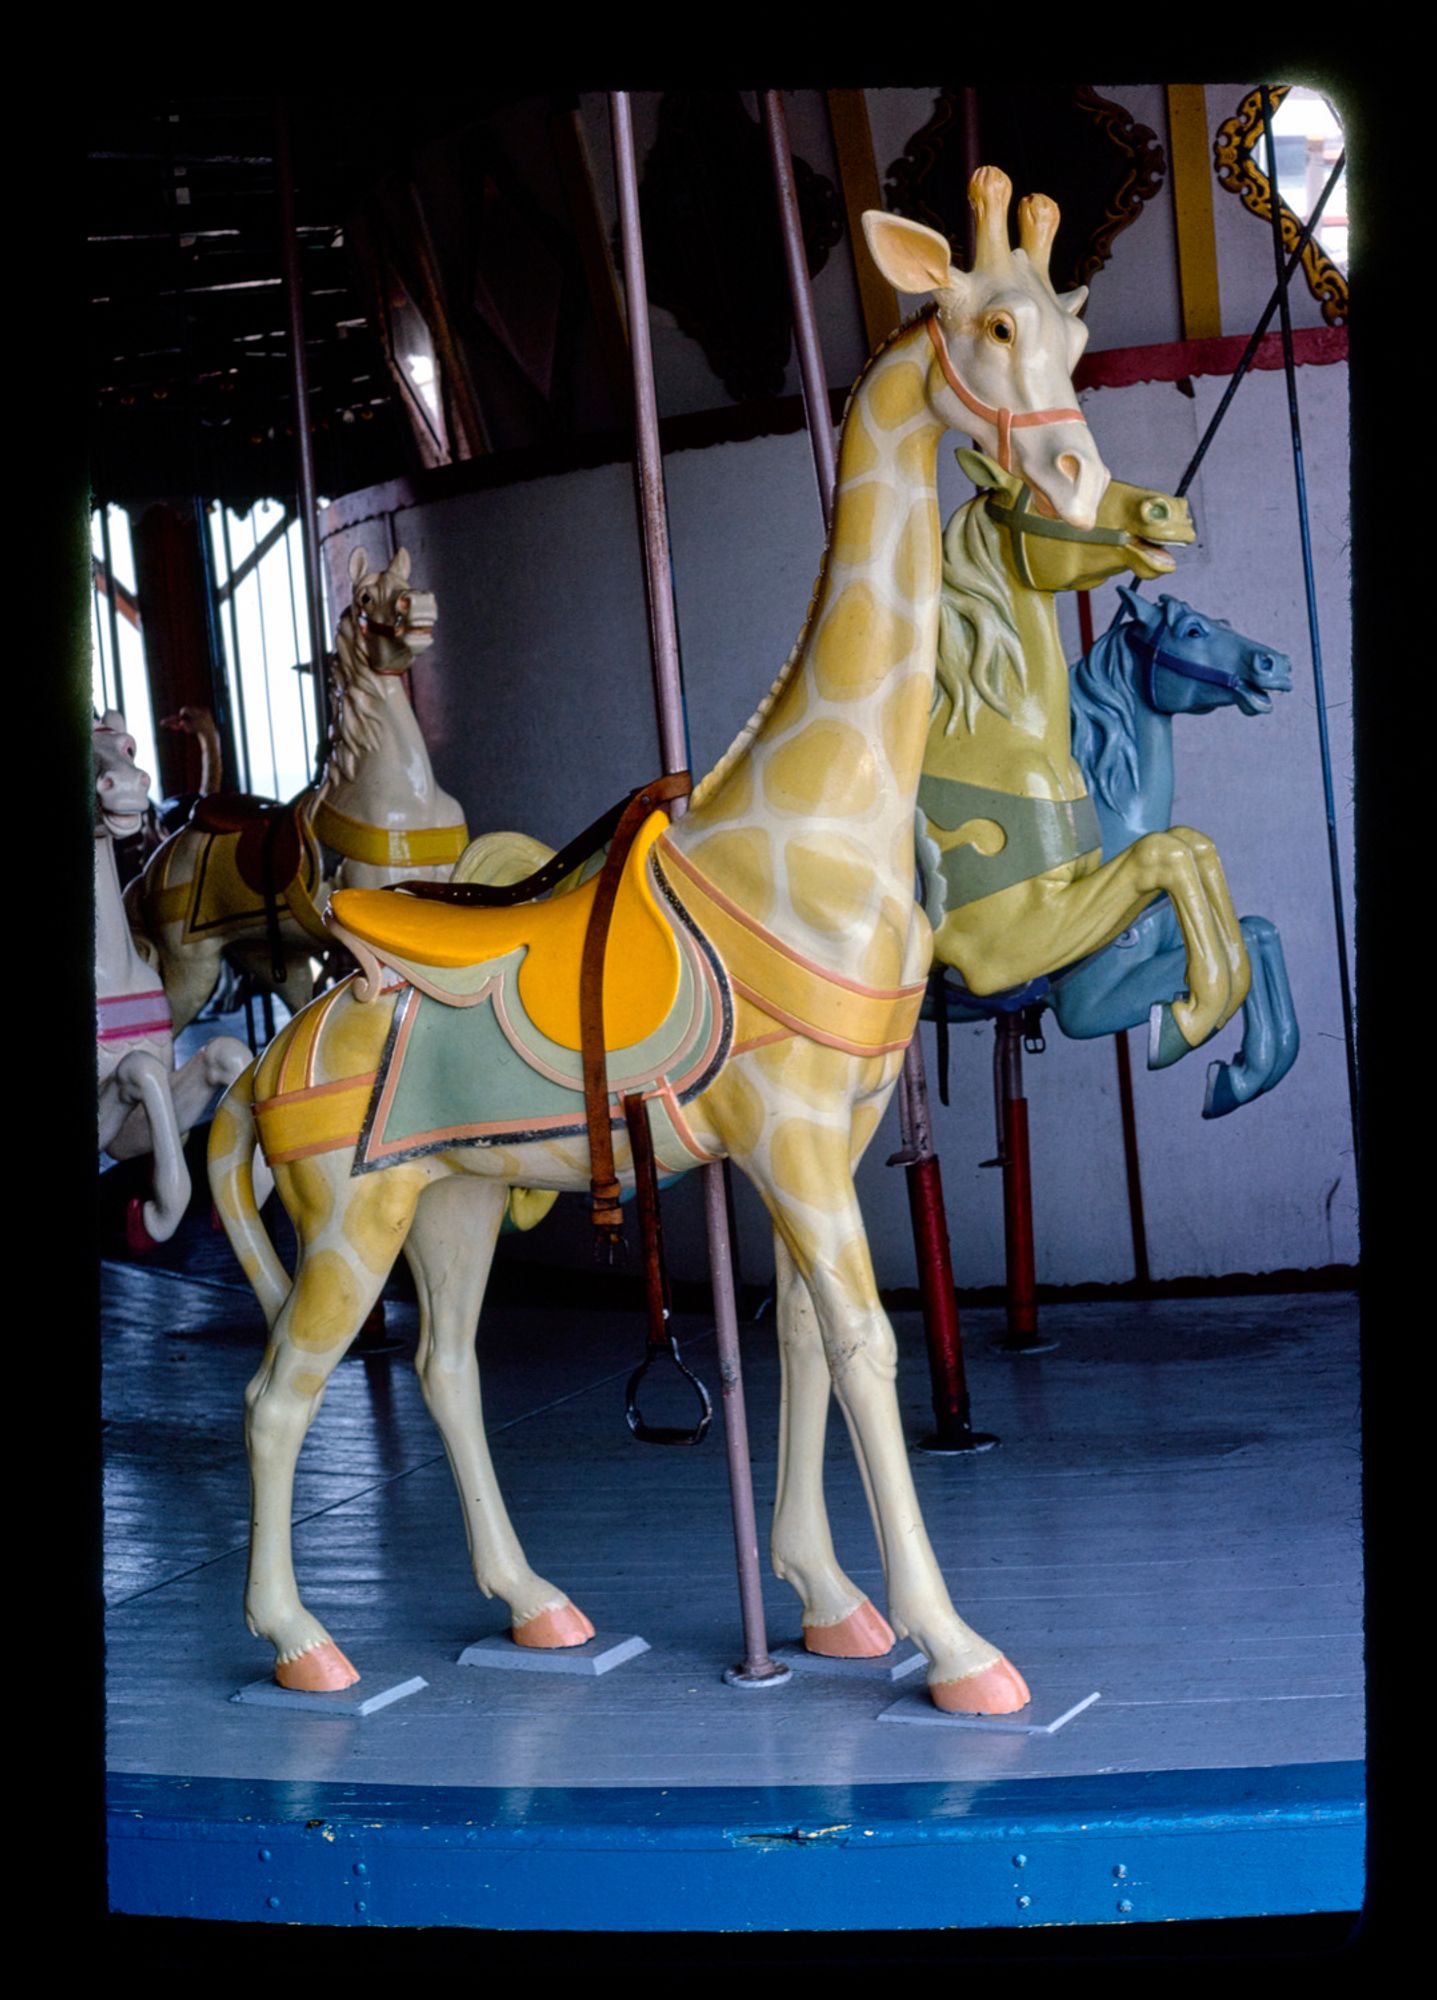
(1010, 847)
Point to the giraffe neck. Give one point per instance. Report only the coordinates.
(808, 822)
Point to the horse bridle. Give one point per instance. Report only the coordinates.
(1153, 654)
(1005, 420)
(367, 622)
(1021, 520)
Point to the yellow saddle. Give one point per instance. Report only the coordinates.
(641, 965)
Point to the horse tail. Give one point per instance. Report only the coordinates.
(231, 1160)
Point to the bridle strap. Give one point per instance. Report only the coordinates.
(1005, 420)
(1021, 520)
(1153, 655)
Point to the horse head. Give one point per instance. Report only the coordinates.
(1133, 525)
(122, 790)
(392, 621)
(1004, 342)
(1189, 664)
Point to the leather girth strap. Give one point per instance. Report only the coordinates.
(618, 827)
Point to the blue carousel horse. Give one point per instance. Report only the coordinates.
(1154, 662)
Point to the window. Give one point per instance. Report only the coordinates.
(259, 575)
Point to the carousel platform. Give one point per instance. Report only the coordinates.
(1171, 1524)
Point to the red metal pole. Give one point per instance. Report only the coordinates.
(1022, 1335)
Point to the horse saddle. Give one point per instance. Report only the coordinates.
(269, 850)
(641, 964)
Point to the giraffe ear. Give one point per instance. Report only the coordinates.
(911, 256)
(358, 565)
(1073, 302)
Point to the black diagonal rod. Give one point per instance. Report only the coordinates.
(1255, 341)
(1310, 583)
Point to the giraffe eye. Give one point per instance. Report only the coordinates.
(1001, 329)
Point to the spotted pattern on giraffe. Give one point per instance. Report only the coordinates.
(738, 1109)
(324, 1302)
(827, 768)
(897, 394)
(859, 644)
(905, 713)
(745, 854)
(377, 1227)
(307, 1382)
(866, 524)
(916, 566)
(831, 879)
(810, 1161)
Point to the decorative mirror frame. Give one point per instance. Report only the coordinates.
(1235, 157)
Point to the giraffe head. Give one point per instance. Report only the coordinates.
(1004, 343)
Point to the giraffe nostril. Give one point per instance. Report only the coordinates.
(1070, 465)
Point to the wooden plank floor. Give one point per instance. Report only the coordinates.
(1172, 1519)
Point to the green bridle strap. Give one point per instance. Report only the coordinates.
(1021, 520)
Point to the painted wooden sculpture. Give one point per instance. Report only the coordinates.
(766, 966)
(1157, 661)
(1012, 848)
(146, 1105)
(248, 876)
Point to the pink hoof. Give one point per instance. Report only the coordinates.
(137, 1237)
(564, 1626)
(865, 1634)
(321, 1670)
(997, 1690)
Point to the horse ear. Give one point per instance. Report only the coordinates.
(358, 565)
(984, 473)
(911, 256)
(400, 566)
(1138, 607)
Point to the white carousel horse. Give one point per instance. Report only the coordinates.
(767, 963)
(249, 877)
(146, 1104)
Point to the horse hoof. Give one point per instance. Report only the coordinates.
(996, 1690)
(865, 1634)
(137, 1238)
(564, 1626)
(322, 1669)
(1166, 1041)
(1221, 1096)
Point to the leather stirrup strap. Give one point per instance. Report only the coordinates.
(661, 1338)
(605, 1212)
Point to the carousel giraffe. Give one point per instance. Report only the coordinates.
(768, 979)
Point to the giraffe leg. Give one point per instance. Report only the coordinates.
(349, 1232)
(817, 1211)
(450, 1248)
(838, 1619)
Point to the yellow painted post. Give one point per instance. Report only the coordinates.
(1192, 204)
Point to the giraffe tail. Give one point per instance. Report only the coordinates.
(233, 1140)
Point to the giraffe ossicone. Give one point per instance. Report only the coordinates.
(789, 884)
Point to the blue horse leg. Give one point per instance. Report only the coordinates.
(1117, 987)
(1270, 1037)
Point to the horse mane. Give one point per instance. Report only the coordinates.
(710, 783)
(358, 702)
(979, 649)
(1104, 707)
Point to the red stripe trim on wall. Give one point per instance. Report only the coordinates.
(1172, 360)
